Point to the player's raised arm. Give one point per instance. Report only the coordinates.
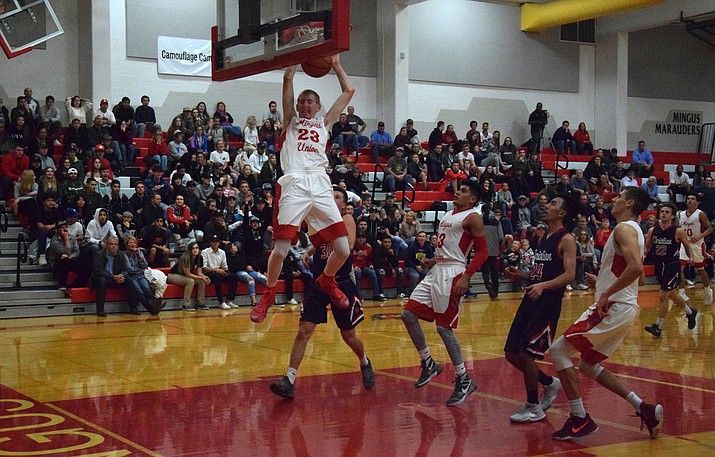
(288, 95)
(345, 96)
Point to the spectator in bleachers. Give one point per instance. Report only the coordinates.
(155, 181)
(192, 200)
(125, 140)
(25, 193)
(199, 142)
(77, 108)
(562, 139)
(159, 150)
(402, 139)
(539, 210)
(155, 241)
(139, 199)
(269, 134)
(597, 175)
(648, 223)
(6, 142)
(115, 202)
(491, 148)
(250, 135)
(255, 240)
(418, 250)
(417, 169)
(4, 113)
(487, 196)
(354, 183)
(40, 137)
(215, 267)
(144, 117)
(109, 120)
(180, 171)
(45, 158)
(504, 198)
(537, 120)
(396, 176)
(584, 205)
(358, 126)
(465, 158)
(292, 270)
(373, 224)
(511, 256)
(75, 162)
(391, 226)
(125, 228)
(204, 115)
(642, 161)
(342, 133)
(495, 238)
(521, 217)
(518, 183)
(221, 156)
(363, 265)
(175, 189)
(152, 209)
(177, 123)
(33, 105)
(123, 111)
(104, 184)
(36, 167)
(409, 228)
(449, 137)
(506, 226)
(583, 223)
(699, 177)
(180, 223)
(485, 134)
(630, 178)
(651, 186)
(578, 182)
(13, 164)
(214, 132)
(380, 142)
(63, 256)
(19, 131)
(178, 150)
(586, 261)
(521, 163)
(110, 269)
(206, 189)
(269, 171)
(564, 186)
(602, 234)
(437, 163)
(583, 140)
(679, 187)
(386, 265)
(92, 198)
(199, 166)
(600, 212)
(23, 110)
(214, 223)
(262, 211)
(188, 272)
(96, 133)
(508, 153)
(43, 227)
(274, 114)
(707, 197)
(76, 134)
(238, 267)
(138, 288)
(99, 229)
(473, 135)
(48, 185)
(226, 120)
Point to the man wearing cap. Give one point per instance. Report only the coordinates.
(262, 211)
(216, 268)
(45, 159)
(380, 141)
(123, 111)
(109, 120)
(411, 131)
(125, 228)
(192, 200)
(521, 217)
(43, 227)
(205, 190)
(155, 181)
(155, 240)
(374, 223)
(63, 256)
(258, 158)
(215, 227)
(397, 177)
(177, 149)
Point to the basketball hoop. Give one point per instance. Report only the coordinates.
(304, 33)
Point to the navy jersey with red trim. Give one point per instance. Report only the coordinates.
(320, 259)
(547, 261)
(665, 249)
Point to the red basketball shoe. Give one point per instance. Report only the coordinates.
(330, 287)
(268, 299)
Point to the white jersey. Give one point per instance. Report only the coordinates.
(304, 146)
(691, 224)
(453, 242)
(612, 266)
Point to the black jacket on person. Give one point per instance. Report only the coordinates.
(119, 266)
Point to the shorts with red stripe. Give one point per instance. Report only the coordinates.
(699, 255)
(534, 325)
(668, 275)
(597, 338)
(433, 299)
(307, 196)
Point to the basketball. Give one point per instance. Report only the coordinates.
(318, 67)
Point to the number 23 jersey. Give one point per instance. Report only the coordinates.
(304, 146)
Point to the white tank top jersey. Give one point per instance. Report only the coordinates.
(691, 224)
(612, 266)
(453, 242)
(304, 145)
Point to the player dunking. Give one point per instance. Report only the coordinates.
(601, 328)
(697, 227)
(663, 242)
(304, 192)
(315, 312)
(439, 296)
(535, 322)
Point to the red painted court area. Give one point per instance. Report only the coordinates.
(334, 415)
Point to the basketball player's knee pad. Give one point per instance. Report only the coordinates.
(559, 354)
(592, 371)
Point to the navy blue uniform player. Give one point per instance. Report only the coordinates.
(662, 245)
(315, 310)
(534, 325)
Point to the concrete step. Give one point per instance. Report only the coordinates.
(8, 262)
(29, 276)
(28, 281)
(36, 295)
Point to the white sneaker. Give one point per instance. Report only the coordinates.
(689, 282)
(232, 304)
(550, 393)
(683, 295)
(224, 305)
(709, 297)
(292, 302)
(43, 261)
(581, 287)
(528, 413)
(569, 288)
(402, 296)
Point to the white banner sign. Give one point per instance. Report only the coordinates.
(184, 56)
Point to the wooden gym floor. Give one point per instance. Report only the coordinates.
(196, 384)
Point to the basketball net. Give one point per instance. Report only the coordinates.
(304, 34)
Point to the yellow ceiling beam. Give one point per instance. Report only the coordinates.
(539, 17)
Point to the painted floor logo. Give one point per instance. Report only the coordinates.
(28, 427)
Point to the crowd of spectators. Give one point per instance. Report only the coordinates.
(201, 192)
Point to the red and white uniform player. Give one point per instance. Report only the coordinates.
(697, 227)
(304, 192)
